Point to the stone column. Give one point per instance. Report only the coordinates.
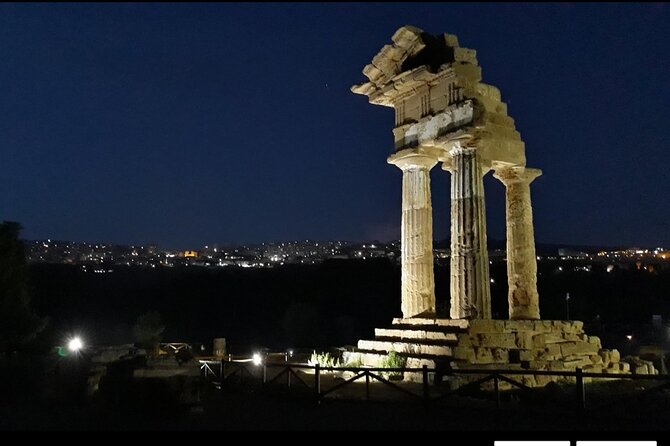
(521, 261)
(416, 235)
(470, 280)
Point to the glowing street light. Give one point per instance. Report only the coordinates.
(257, 359)
(629, 337)
(75, 344)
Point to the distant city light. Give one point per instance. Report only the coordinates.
(75, 344)
(257, 359)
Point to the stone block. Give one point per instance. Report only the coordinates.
(597, 360)
(572, 348)
(451, 40)
(412, 334)
(641, 369)
(543, 326)
(552, 349)
(465, 55)
(519, 355)
(464, 340)
(612, 370)
(461, 324)
(486, 326)
(606, 356)
(524, 339)
(593, 368)
(580, 362)
(624, 367)
(573, 337)
(539, 341)
(615, 355)
(464, 353)
(526, 355)
(553, 338)
(505, 340)
(534, 365)
(483, 355)
(501, 355)
(595, 340)
(557, 365)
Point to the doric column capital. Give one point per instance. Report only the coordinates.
(518, 174)
(484, 166)
(414, 160)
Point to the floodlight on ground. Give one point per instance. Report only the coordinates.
(75, 344)
(257, 359)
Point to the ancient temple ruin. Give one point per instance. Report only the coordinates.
(445, 114)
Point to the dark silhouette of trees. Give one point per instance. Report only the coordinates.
(148, 331)
(18, 323)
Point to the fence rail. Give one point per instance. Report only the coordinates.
(221, 371)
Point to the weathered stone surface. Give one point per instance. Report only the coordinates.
(571, 348)
(506, 340)
(524, 339)
(521, 259)
(416, 235)
(406, 347)
(494, 344)
(460, 324)
(470, 280)
(416, 335)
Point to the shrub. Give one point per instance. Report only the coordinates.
(393, 361)
(355, 363)
(324, 360)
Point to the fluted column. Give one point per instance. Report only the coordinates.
(416, 236)
(470, 279)
(524, 302)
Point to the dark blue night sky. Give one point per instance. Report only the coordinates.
(185, 125)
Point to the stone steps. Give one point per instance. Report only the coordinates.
(414, 334)
(453, 325)
(410, 348)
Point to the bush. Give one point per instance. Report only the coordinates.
(355, 363)
(393, 361)
(324, 360)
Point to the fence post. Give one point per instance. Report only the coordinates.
(265, 373)
(367, 386)
(496, 385)
(317, 382)
(288, 377)
(581, 395)
(221, 369)
(426, 389)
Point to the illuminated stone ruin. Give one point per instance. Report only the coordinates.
(445, 114)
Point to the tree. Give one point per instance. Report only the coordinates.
(18, 323)
(148, 331)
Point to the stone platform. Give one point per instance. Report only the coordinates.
(447, 344)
